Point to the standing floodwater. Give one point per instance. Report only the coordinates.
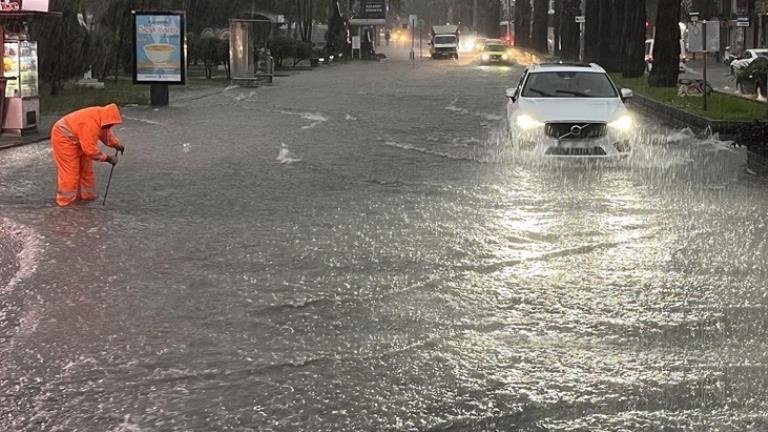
(356, 249)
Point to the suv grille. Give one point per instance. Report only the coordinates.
(564, 151)
(588, 130)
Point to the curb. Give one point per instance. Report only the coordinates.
(32, 139)
(727, 129)
(757, 163)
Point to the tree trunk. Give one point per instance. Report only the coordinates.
(558, 7)
(610, 44)
(539, 32)
(569, 30)
(666, 49)
(523, 23)
(592, 31)
(633, 64)
(308, 22)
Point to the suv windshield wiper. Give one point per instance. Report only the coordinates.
(541, 92)
(574, 93)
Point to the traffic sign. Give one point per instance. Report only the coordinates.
(581, 19)
(742, 21)
(696, 42)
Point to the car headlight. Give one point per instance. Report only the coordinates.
(486, 57)
(504, 56)
(623, 123)
(526, 122)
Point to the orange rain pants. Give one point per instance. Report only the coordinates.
(75, 140)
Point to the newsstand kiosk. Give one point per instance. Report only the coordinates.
(19, 85)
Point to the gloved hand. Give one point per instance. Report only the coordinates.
(121, 148)
(112, 160)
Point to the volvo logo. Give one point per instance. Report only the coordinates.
(576, 130)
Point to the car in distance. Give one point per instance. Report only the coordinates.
(494, 54)
(746, 58)
(480, 43)
(649, 46)
(569, 110)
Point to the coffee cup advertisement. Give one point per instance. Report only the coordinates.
(159, 49)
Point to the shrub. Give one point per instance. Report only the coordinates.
(303, 51)
(282, 47)
(209, 51)
(754, 73)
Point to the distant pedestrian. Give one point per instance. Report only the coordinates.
(387, 36)
(75, 140)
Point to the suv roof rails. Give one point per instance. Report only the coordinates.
(566, 63)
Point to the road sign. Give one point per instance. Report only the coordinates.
(581, 19)
(742, 22)
(696, 42)
(355, 42)
(694, 16)
(413, 20)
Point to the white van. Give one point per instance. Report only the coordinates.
(649, 55)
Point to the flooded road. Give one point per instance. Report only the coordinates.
(357, 249)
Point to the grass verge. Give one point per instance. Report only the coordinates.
(73, 98)
(720, 106)
(122, 92)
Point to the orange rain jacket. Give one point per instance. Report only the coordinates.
(75, 140)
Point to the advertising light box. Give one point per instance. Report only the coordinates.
(159, 48)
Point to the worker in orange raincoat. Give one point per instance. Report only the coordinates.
(75, 139)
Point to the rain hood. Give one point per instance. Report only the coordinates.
(109, 115)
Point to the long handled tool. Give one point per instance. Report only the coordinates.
(111, 171)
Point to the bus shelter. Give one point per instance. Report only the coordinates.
(249, 57)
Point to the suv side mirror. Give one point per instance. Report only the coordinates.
(627, 94)
(512, 94)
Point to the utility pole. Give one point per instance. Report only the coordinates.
(474, 18)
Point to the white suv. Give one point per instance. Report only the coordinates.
(564, 110)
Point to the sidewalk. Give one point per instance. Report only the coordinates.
(718, 76)
(42, 133)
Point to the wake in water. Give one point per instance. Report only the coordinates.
(20, 250)
(651, 149)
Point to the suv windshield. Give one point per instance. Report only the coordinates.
(495, 48)
(568, 85)
(445, 39)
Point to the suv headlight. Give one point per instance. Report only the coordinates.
(526, 122)
(624, 123)
(486, 57)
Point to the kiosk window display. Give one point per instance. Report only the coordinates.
(21, 88)
(19, 84)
